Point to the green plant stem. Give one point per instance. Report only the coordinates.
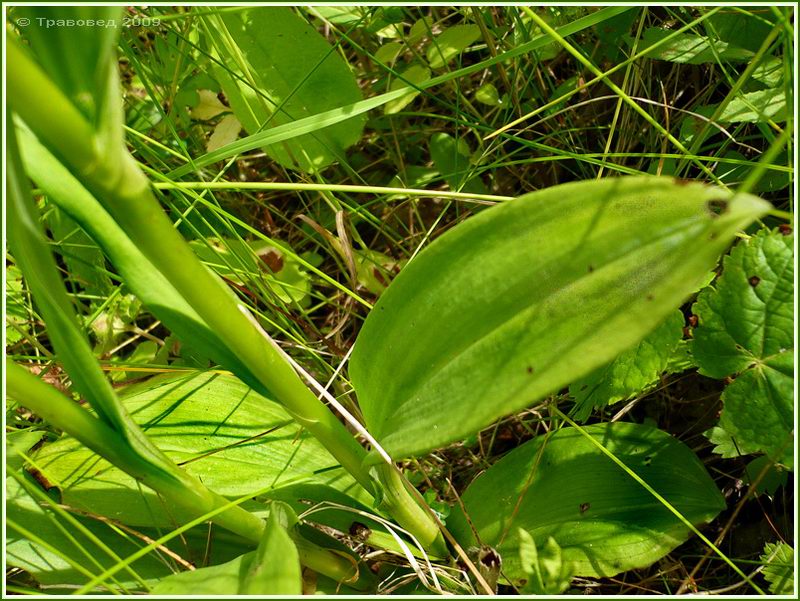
(177, 487)
(408, 513)
(117, 182)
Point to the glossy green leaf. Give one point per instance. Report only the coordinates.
(277, 70)
(632, 372)
(690, 49)
(605, 522)
(234, 440)
(746, 328)
(450, 43)
(756, 107)
(778, 560)
(530, 295)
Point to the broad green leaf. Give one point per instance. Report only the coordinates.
(562, 486)
(451, 158)
(746, 328)
(234, 440)
(529, 296)
(275, 567)
(277, 70)
(778, 560)
(755, 107)
(415, 75)
(450, 43)
(634, 371)
(690, 49)
(547, 572)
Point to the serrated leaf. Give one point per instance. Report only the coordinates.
(778, 559)
(216, 428)
(450, 43)
(746, 327)
(634, 371)
(530, 295)
(756, 107)
(726, 446)
(286, 71)
(562, 486)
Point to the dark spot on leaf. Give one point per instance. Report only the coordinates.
(717, 207)
(682, 182)
(272, 258)
(712, 236)
(523, 581)
(785, 229)
(648, 460)
(649, 297)
(738, 347)
(529, 369)
(591, 268)
(751, 366)
(585, 507)
(584, 387)
(754, 280)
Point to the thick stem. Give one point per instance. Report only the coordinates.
(401, 505)
(114, 178)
